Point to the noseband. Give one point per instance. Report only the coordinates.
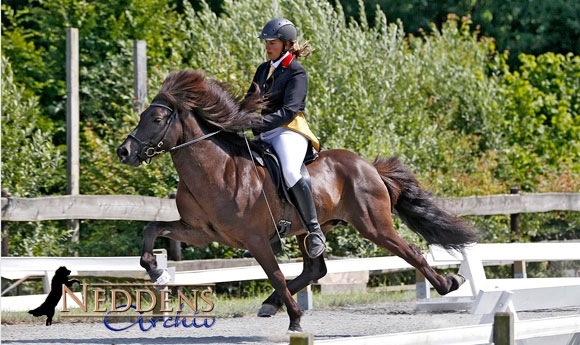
(151, 149)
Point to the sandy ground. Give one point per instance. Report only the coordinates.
(324, 324)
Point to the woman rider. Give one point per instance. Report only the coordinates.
(284, 82)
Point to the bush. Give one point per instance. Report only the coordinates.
(34, 166)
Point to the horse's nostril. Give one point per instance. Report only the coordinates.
(122, 152)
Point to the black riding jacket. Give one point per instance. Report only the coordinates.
(285, 91)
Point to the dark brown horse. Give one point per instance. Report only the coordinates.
(223, 197)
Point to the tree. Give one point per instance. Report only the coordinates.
(519, 26)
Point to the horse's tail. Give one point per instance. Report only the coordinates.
(418, 211)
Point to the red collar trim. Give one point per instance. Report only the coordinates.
(287, 60)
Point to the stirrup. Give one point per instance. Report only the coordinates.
(322, 239)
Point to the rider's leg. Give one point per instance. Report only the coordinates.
(291, 149)
(315, 239)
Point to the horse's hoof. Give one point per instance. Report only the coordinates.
(456, 281)
(268, 310)
(160, 277)
(295, 327)
(164, 279)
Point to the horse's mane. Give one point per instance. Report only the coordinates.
(190, 90)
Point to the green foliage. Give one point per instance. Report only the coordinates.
(551, 226)
(35, 39)
(47, 238)
(345, 242)
(519, 26)
(34, 166)
(26, 139)
(536, 27)
(110, 238)
(542, 118)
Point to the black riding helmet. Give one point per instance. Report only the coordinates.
(279, 28)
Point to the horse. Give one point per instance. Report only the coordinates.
(223, 196)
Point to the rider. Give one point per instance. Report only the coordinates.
(284, 82)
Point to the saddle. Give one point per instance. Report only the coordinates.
(263, 154)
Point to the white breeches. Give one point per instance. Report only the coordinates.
(291, 148)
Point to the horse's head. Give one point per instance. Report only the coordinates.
(155, 134)
(186, 97)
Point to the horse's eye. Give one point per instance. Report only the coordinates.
(158, 120)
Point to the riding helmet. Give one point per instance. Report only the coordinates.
(279, 28)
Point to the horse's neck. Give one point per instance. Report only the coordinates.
(194, 159)
(204, 165)
(200, 160)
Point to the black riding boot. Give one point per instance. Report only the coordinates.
(304, 203)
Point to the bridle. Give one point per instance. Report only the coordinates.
(151, 149)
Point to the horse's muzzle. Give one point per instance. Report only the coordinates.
(127, 155)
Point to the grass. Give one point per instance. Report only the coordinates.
(239, 307)
(226, 307)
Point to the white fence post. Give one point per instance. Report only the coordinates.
(422, 286)
(304, 298)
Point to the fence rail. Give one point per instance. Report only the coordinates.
(144, 208)
(525, 330)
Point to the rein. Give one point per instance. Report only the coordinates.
(150, 150)
(191, 142)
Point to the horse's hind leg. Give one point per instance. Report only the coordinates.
(176, 230)
(312, 269)
(443, 285)
(379, 228)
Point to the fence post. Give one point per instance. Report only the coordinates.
(72, 123)
(5, 229)
(304, 297)
(301, 339)
(161, 258)
(503, 329)
(422, 286)
(519, 267)
(515, 218)
(140, 74)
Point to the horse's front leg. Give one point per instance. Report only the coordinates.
(148, 260)
(177, 230)
(312, 269)
(262, 252)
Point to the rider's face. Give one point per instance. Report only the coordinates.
(273, 48)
